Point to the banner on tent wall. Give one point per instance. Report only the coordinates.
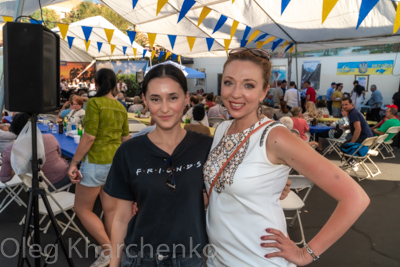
(123, 67)
(384, 67)
(278, 73)
(311, 71)
(70, 70)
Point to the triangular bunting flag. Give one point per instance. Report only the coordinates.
(233, 1)
(87, 44)
(261, 37)
(160, 5)
(276, 43)
(144, 52)
(227, 42)
(366, 7)
(284, 5)
(396, 25)
(124, 49)
(246, 32)
(134, 2)
(112, 46)
(203, 15)
(289, 47)
(174, 56)
(220, 23)
(172, 39)
(70, 41)
(210, 42)
(161, 55)
(327, 7)
(63, 29)
(268, 40)
(243, 43)
(186, 6)
(167, 55)
(99, 45)
(131, 35)
(260, 44)
(152, 39)
(253, 35)
(36, 21)
(109, 34)
(234, 27)
(134, 51)
(191, 41)
(7, 19)
(87, 31)
(284, 44)
(152, 54)
(179, 58)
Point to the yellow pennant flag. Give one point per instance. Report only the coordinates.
(63, 29)
(254, 35)
(134, 51)
(327, 7)
(109, 34)
(152, 39)
(203, 15)
(87, 44)
(227, 42)
(233, 1)
(7, 19)
(396, 25)
(160, 5)
(291, 49)
(284, 44)
(167, 55)
(153, 53)
(260, 44)
(112, 48)
(234, 27)
(191, 41)
(268, 40)
(179, 58)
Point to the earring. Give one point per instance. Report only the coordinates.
(259, 114)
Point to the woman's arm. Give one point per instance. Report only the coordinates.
(84, 146)
(118, 230)
(284, 148)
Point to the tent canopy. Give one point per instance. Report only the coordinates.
(189, 72)
(7, 7)
(98, 36)
(300, 23)
(74, 54)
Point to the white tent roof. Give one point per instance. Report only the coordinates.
(98, 35)
(301, 22)
(189, 72)
(7, 7)
(73, 54)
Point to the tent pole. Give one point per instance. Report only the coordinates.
(297, 74)
(180, 62)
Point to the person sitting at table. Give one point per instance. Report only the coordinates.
(218, 111)
(268, 111)
(311, 112)
(136, 105)
(7, 137)
(321, 106)
(299, 123)
(55, 167)
(77, 112)
(377, 126)
(66, 108)
(196, 125)
(209, 101)
(283, 111)
(344, 121)
(357, 124)
(392, 121)
(121, 98)
(189, 113)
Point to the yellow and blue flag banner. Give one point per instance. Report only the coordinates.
(382, 67)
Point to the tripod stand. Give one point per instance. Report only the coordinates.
(33, 207)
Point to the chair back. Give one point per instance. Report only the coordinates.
(369, 141)
(50, 117)
(132, 121)
(394, 129)
(136, 127)
(213, 120)
(27, 180)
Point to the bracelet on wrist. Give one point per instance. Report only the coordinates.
(309, 250)
(77, 162)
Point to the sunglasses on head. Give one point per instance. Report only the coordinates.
(170, 180)
(255, 51)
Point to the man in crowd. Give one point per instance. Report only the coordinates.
(292, 96)
(391, 114)
(194, 101)
(121, 99)
(121, 86)
(218, 111)
(358, 125)
(278, 94)
(209, 100)
(311, 95)
(283, 87)
(336, 100)
(375, 103)
(329, 94)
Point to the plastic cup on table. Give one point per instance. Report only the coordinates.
(77, 138)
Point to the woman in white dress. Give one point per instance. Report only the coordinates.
(358, 95)
(244, 209)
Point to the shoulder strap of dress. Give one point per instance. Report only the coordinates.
(269, 126)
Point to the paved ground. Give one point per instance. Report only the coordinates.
(374, 240)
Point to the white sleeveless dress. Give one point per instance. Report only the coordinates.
(245, 200)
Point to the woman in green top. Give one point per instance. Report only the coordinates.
(106, 126)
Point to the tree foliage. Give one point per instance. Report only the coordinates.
(49, 16)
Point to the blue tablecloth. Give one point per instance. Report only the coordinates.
(8, 118)
(67, 144)
(319, 128)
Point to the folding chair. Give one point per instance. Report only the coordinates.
(213, 120)
(335, 143)
(294, 203)
(387, 144)
(136, 127)
(12, 189)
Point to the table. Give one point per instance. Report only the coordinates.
(67, 144)
(335, 119)
(319, 128)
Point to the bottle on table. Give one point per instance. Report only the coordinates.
(44, 118)
(314, 121)
(54, 128)
(80, 130)
(138, 113)
(187, 120)
(65, 123)
(365, 115)
(60, 126)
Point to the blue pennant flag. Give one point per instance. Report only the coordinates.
(243, 43)
(186, 6)
(172, 39)
(99, 45)
(275, 44)
(144, 52)
(36, 21)
(246, 32)
(290, 46)
(366, 7)
(134, 2)
(284, 5)
(161, 55)
(220, 23)
(124, 49)
(210, 42)
(261, 37)
(132, 35)
(174, 56)
(87, 31)
(70, 41)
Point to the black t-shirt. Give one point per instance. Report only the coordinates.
(139, 173)
(396, 99)
(354, 115)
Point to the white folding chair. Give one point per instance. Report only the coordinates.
(387, 144)
(213, 120)
(50, 117)
(136, 127)
(12, 189)
(334, 144)
(294, 203)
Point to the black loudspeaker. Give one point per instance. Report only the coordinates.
(31, 68)
(139, 76)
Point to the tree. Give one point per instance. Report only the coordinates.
(49, 16)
